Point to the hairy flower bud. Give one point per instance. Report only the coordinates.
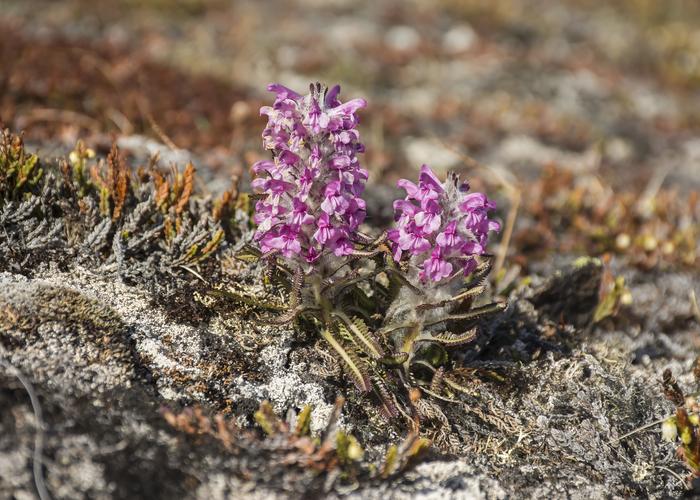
(440, 227)
(312, 186)
(669, 429)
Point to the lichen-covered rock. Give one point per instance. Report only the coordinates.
(103, 360)
(66, 340)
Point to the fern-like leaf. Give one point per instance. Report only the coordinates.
(473, 314)
(436, 383)
(365, 339)
(397, 277)
(387, 403)
(478, 276)
(248, 254)
(344, 333)
(353, 364)
(460, 297)
(394, 359)
(453, 384)
(289, 316)
(451, 339)
(250, 300)
(295, 292)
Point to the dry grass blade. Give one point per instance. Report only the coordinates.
(645, 205)
(513, 191)
(144, 108)
(638, 430)
(333, 419)
(694, 305)
(193, 272)
(502, 251)
(682, 482)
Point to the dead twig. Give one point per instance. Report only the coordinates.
(645, 205)
(638, 430)
(683, 482)
(145, 111)
(513, 191)
(39, 436)
(502, 251)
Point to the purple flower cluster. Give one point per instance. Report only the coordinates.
(441, 226)
(313, 184)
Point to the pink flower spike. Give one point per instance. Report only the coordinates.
(300, 215)
(393, 236)
(349, 108)
(263, 166)
(335, 202)
(342, 246)
(413, 242)
(311, 191)
(288, 158)
(469, 266)
(326, 231)
(312, 255)
(450, 223)
(472, 248)
(474, 201)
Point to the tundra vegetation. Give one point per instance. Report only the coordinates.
(347, 315)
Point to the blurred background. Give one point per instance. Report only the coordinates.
(581, 116)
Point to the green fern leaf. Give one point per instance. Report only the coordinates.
(476, 313)
(352, 363)
(360, 331)
(394, 359)
(478, 276)
(460, 297)
(451, 339)
(388, 406)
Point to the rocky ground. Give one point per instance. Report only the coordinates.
(126, 371)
